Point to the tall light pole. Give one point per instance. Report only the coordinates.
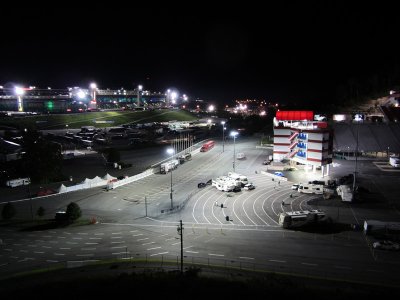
(139, 89)
(93, 87)
(223, 135)
(19, 92)
(171, 152)
(234, 134)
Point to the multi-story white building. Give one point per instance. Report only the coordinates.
(298, 138)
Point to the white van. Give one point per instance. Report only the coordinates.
(18, 182)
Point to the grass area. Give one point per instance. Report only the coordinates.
(114, 118)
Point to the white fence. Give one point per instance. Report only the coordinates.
(115, 184)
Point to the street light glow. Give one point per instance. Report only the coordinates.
(170, 151)
(211, 108)
(81, 94)
(19, 91)
(93, 86)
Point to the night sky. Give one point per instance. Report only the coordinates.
(295, 53)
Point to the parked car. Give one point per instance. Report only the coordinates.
(266, 162)
(295, 186)
(280, 174)
(201, 185)
(209, 182)
(45, 192)
(249, 187)
(386, 245)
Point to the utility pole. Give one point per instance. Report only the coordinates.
(180, 232)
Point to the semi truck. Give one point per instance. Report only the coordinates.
(169, 166)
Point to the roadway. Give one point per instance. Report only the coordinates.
(251, 237)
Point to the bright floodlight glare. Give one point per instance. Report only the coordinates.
(211, 108)
(140, 87)
(174, 95)
(234, 133)
(223, 122)
(93, 85)
(19, 91)
(170, 151)
(81, 94)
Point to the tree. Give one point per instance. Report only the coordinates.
(40, 212)
(73, 211)
(8, 211)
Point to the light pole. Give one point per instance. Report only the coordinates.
(171, 152)
(140, 87)
(93, 87)
(19, 92)
(223, 135)
(180, 232)
(234, 134)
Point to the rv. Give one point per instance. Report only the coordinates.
(239, 177)
(308, 188)
(295, 219)
(224, 183)
(345, 192)
(394, 161)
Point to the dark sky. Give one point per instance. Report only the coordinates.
(285, 52)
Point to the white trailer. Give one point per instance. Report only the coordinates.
(18, 182)
(169, 166)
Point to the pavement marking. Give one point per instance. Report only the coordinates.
(143, 239)
(53, 242)
(173, 238)
(343, 267)
(4, 265)
(53, 261)
(188, 251)
(175, 244)
(95, 238)
(213, 254)
(91, 243)
(61, 237)
(38, 252)
(59, 254)
(99, 233)
(17, 244)
(116, 232)
(66, 232)
(39, 241)
(280, 261)
(47, 236)
(308, 264)
(245, 257)
(119, 253)
(209, 240)
(85, 233)
(153, 248)
(148, 243)
(118, 247)
(47, 247)
(72, 243)
(76, 238)
(139, 234)
(116, 237)
(117, 242)
(133, 231)
(88, 249)
(65, 248)
(84, 254)
(161, 253)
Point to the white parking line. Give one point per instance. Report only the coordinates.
(212, 254)
(280, 261)
(149, 243)
(245, 257)
(153, 248)
(188, 251)
(117, 242)
(91, 243)
(159, 253)
(308, 264)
